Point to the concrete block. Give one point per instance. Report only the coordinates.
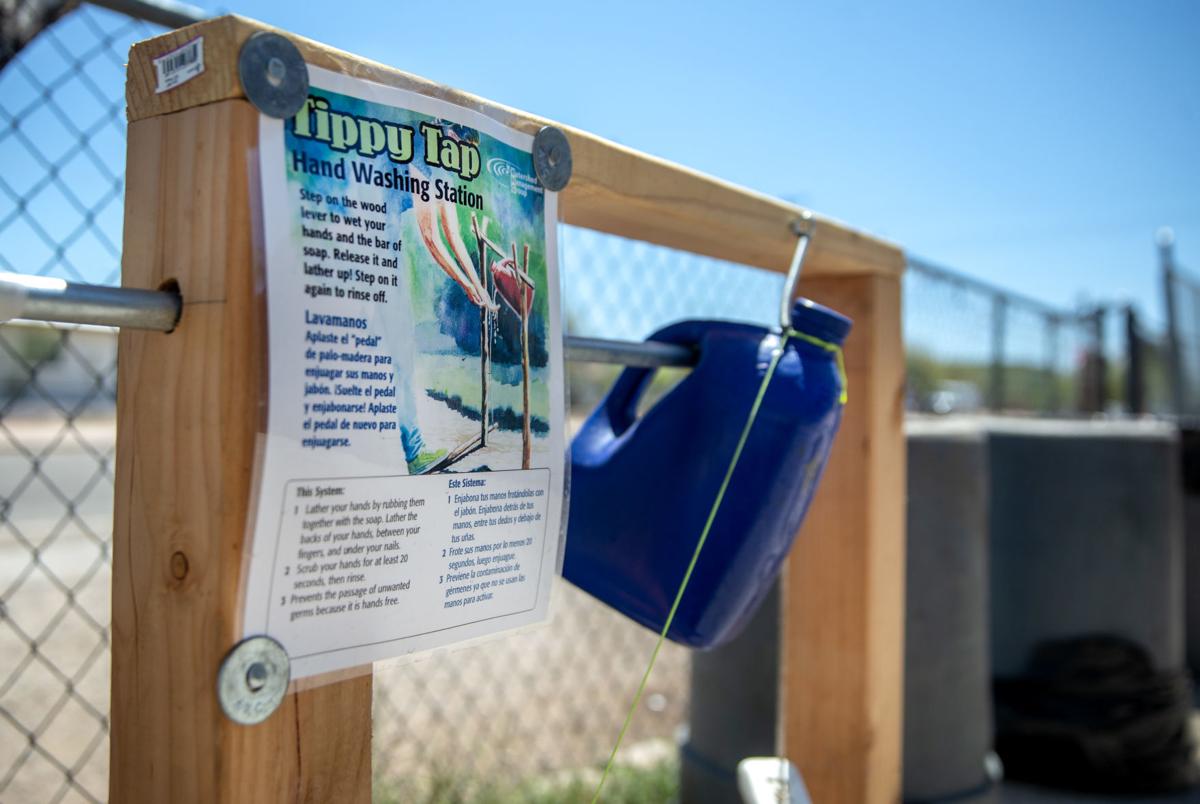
(947, 681)
(735, 694)
(1086, 537)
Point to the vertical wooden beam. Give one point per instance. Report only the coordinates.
(190, 411)
(843, 621)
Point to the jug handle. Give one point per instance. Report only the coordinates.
(621, 402)
(620, 405)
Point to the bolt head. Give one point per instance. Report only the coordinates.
(256, 676)
(552, 158)
(276, 71)
(273, 74)
(253, 680)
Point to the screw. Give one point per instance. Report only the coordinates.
(276, 71)
(256, 676)
(803, 225)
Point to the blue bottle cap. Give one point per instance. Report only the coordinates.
(819, 321)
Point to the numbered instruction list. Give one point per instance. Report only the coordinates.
(422, 555)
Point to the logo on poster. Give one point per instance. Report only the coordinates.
(520, 182)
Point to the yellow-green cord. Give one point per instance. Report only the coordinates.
(837, 355)
(712, 515)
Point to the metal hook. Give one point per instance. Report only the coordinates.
(802, 227)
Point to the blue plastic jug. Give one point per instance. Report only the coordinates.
(642, 488)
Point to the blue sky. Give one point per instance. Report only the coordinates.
(1037, 145)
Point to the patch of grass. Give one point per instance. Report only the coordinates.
(627, 784)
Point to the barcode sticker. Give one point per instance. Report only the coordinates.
(180, 65)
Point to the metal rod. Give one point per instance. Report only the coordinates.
(167, 13)
(646, 354)
(44, 299)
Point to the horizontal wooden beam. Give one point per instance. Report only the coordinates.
(613, 189)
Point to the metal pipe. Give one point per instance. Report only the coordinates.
(46, 299)
(646, 354)
(168, 13)
(43, 298)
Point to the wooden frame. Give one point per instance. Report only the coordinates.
(188, 424)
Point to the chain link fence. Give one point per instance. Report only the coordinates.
(976, 347)
(62, 152)
(465, 722)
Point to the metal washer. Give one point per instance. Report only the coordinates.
(253, 679)
(552, 158)
(273, 74)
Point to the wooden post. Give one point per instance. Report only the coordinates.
(843, 624)
(188, 420)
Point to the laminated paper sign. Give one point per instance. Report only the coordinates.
(411, 482)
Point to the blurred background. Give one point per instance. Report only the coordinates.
(1038, 163)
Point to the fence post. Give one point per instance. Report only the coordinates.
(999, 332)
(188, 418)
(1053, 397)
(1100, 398)
(1165, 239)
(1135, 366)
(1090, 382)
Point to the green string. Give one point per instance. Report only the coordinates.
(712, 515)
(844, 396)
